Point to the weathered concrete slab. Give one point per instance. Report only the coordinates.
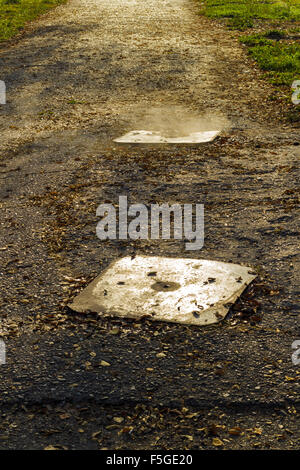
(152, 137)
(189, 291)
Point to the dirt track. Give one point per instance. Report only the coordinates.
(80, 76)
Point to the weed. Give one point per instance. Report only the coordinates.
(14, 14)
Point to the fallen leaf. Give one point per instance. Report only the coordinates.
(118, 419)
(104, 364)
(217, 442)
(235, 431)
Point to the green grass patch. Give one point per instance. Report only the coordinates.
(276, 51)
(240, 23)
(279, 58)
(14, 14)
(242, 12)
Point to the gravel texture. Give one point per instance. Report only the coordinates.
(80, 76)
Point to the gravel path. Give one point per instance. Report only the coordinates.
(83, 74)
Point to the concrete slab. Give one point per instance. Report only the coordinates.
(180, 290)
(152, 137)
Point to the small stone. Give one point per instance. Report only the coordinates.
(104, 364)
(118, 419)
(217, 442)
(161, 354)
(115, 331)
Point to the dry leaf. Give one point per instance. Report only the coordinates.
(217, 442)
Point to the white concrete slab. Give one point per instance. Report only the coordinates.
(152, 137)
(189, 291)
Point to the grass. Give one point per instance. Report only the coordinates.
(280, 58)
(276, 51)
(14, 14)
(244, 12)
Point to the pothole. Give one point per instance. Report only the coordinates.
(165, 286)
